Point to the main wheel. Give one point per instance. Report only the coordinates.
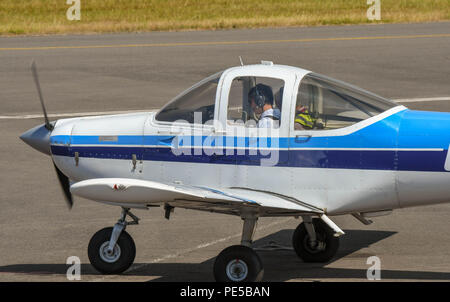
(238, 263)
(325, 248)
(115, 262)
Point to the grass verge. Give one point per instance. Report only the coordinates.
(97, 16)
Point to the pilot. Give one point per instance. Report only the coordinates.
(260, 98)
(303, 119)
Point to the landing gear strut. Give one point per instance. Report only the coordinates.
(240, 263)
(112, 250)
(314, 241)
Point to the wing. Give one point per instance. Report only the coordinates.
(141, 193)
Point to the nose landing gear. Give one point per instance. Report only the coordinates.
(112, 250)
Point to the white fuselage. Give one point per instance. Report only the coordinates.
(337, 190)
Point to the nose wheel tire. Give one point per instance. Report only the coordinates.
(113, 261)
(323, 250)
(238, 263)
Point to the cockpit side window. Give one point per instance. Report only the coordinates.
(242, 107)
(193, 106)
(325, 103)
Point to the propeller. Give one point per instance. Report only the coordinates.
(65, 186)
(38, 86)
(63, 179)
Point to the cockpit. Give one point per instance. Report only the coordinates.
(321, 103)
(241, 101)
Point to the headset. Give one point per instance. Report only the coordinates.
(261, 98)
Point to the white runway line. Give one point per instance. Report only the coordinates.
(437, 99)
(198, 247)
(73, 114)
(80, 114)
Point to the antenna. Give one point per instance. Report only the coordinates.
(240, 59)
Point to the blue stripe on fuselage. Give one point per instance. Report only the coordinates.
(394, 133)
(333, 159)
(431, 127)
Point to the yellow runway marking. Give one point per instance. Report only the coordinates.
(225, 42)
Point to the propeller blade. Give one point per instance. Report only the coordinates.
(65, 186)
(38, 86)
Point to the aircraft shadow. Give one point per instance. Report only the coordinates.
(280, 263)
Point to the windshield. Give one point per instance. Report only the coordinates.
(331, 104)
(199, 99)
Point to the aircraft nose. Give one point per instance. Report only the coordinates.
(38, 138)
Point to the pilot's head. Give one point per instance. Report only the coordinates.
(299, 108)
(259, 96)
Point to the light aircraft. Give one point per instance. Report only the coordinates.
(360, 154)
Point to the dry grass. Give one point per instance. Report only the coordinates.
(49, 16)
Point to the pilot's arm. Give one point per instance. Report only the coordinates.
(298, 126)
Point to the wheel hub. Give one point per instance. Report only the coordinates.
(237, 270)
(314, 247)
(108, 255)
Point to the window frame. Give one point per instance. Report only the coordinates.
(289, 79)
(233, 123)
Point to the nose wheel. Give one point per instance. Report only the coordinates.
(108, 261)
(112, 250)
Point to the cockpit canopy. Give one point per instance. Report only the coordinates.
(329, 103)
(335, 104)
(199, 98)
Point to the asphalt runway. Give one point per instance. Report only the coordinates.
(116, 72)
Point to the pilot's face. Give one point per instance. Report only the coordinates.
(300, 108)
(255, 108)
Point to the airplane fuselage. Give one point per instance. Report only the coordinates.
(395, 160)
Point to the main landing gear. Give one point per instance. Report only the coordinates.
(314, 241)
(240, 263)
(112, 250)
